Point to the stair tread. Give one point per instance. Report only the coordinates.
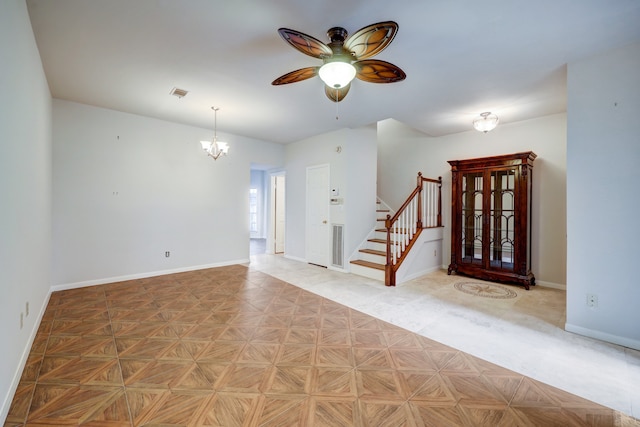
(377, 241)
(368, 264)
(373, 252)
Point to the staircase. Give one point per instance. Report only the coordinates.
(372, 255)
(392, 238)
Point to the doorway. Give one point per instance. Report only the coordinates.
(277, 213)
(267, 210)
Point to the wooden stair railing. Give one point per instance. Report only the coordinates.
(419, 211)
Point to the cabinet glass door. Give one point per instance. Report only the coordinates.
(472, 218)
(502, 219)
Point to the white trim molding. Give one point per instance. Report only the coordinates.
(96, 282)
(603, 336)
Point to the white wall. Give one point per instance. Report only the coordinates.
(360, 157)
(403, 152)
(128, 188)
(352, 170)
(603, 176)
(25, 193)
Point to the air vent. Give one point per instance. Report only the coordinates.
(338, 245)
(178, 92)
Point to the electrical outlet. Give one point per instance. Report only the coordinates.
(21, 320)
(27, 309)
(592, 300)
(167, 254)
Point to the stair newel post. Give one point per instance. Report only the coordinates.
(389, 277)
(419, 222)
(439, 201)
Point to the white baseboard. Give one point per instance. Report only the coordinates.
(603, 336)
(544, 284)
(6, 405)
(419, 274)
(95, 282)
(294, 258)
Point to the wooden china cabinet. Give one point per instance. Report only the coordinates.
(491, 218)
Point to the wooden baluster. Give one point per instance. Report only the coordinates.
(388, 265)
(439, 201)
(430, 215)
(405, 228)
(399, 222)
(396, 243)
(419, 223)
(411, 219)
(434, 206)
(425, 206)
(426, 188)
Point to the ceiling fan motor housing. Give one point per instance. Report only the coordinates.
(337, 34)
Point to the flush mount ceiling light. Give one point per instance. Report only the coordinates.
(486, 122)
(215, 148)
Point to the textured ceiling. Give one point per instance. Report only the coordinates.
(461, 58)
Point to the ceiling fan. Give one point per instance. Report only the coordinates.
(344, 58)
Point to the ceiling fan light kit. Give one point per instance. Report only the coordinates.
(485, 122)
(344, 58)
(337, 74)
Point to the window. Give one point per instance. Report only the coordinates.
(253, 210)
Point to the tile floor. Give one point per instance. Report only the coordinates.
(239, 346)
(524, 334)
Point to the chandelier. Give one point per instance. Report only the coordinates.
(215, 148)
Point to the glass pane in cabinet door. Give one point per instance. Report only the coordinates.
(502, 219)
(471, 218)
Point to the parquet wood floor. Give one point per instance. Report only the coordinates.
(234, 347)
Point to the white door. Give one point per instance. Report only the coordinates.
(279, 214)
(317, 232)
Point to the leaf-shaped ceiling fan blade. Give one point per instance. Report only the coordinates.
(296, 76)
(305, 43)
(336, 95)
(372, 39)
(377, 71)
